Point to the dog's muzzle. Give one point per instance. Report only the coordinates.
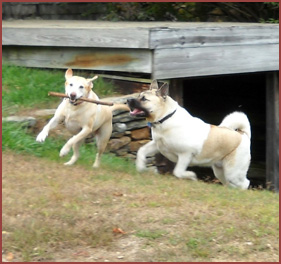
(73, 98)
(136, 108)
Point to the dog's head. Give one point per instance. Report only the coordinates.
(77, 87)
(150, 103)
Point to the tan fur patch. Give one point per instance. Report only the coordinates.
(221, 141)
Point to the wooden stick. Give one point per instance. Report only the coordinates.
(81, 99)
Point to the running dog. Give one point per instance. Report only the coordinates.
(188, 141)
(82, 118)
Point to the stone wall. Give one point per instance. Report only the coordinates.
(126, 143)
(129, 133)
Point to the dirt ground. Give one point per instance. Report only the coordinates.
(123, 248)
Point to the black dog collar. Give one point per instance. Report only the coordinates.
(161, 120)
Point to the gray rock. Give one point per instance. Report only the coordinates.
(29, 121)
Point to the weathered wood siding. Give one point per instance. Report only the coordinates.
(76, 37)
(187, 62)
(122, 60)
(164, 50)
(213, 50)
(220, 35)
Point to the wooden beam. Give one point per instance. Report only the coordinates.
(187, 62)
(272, 131)
(121, 60)
(220, 34)
(69, 34)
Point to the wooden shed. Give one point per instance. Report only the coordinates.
(213, 68)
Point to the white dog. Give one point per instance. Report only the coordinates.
(82, 118)
(188, 141)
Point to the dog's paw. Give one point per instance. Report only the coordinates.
(192, 176)
(69, 163)
(189, 175)
(141, 165)
(95, 166)
(64, 150)
(41, 136)
(141, 168)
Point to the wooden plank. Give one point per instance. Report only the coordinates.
(272, 131)
(186, 62)
(126, 60)
(77, 37)
(199, 36)
(151, 35)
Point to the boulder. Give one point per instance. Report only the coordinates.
(142, 133)
(117, 143)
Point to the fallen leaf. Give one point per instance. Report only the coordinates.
(10, 256)
(118, 230)
(118, 194)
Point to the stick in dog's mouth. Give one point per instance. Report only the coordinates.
(80, 99)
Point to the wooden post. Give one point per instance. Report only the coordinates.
(176, 90)
(272, 131)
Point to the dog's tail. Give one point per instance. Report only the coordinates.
(237, 121)
(120, 107)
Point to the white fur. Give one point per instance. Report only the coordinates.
(181, 139)
(237, 121)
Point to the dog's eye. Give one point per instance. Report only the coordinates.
(71, 84)
(81, 87)
(143, 99)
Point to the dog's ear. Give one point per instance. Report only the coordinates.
(90, 81)
(68, 74)
(163, 90)
(154, 85)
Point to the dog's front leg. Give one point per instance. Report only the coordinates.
(57, 118)
(180, 169)
(148, 149)
(74, 140)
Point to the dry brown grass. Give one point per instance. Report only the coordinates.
(57, 213)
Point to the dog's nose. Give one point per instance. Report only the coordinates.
(73, 95)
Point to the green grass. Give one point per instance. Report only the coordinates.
(28, 87)
(19, 139)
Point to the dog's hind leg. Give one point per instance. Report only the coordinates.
(235, 167)
(75, 139)
(180, 169)
(75, 155)
(218, 171)
(102, 138)
(235, 176)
